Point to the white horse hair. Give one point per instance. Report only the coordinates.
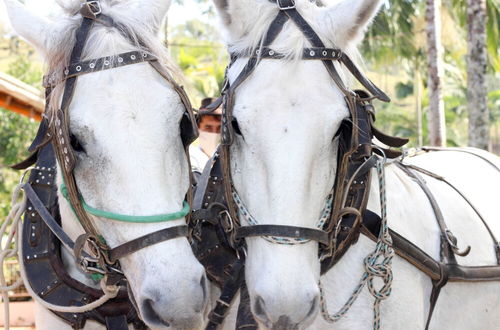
(127, 120)
(284, 165)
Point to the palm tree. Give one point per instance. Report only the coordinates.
(477, 61)
(437, 128)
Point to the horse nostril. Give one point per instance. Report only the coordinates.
(150, 315)
(204, 287)
(313, 309)
(259, 308)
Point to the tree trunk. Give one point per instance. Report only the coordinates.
(437, 128)
(477, 102)
(418, 105)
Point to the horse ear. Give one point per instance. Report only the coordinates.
(37, 30)
(350, 18)
(151, 12)
(222, 7)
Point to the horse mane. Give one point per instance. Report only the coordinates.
(290, 42)
(102, 41)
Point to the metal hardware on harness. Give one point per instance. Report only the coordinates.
(91, 7)
(283, 6)
(229, 223)
(452, 240)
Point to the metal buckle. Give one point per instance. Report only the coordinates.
(93, 7)
(283, 7)
(229, 223)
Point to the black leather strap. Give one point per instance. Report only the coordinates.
(229, 291)
(147, 240)
(283, 231)
(314, 39)
(49, 220)
(107, 63)
(312, 53)
(116, 322)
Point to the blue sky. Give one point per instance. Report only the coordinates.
(177, 14)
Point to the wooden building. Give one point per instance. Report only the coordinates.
(21, 98)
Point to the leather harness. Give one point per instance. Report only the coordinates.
(219, 237)
(43, 235)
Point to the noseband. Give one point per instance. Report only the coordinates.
(90, 250)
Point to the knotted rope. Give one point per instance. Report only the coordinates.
(9, 249)
(377, 264)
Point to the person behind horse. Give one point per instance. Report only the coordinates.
(209, 127)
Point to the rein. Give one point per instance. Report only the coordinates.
(90, 250)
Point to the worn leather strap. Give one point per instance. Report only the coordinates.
(202, 184)
(424, 262)
(312, 53)
(392, 141)
(107, 63)
(314, 39)
(116, 322)
(244, 318)
(449, 240)
(229, 291)
(147, 240)
(496, 242)
(49, 220)
(312, 234)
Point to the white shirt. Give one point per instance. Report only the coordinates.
(198, 158)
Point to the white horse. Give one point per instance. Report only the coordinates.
(283, 167)
(132, 162)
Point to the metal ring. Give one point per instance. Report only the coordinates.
(230, 220)
(29, 169)
(384, 159)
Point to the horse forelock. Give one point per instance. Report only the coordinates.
(248, 28)
(102, 41)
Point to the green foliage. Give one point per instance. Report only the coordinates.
(16, 132)
(196, 48)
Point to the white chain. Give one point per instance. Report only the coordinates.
(244, 214)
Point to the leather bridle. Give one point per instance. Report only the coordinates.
(90, 250)
(217, 204)
(357, 153)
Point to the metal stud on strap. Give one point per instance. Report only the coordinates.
(286, 4)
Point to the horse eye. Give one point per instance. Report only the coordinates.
(76, 145)
(236, 127)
